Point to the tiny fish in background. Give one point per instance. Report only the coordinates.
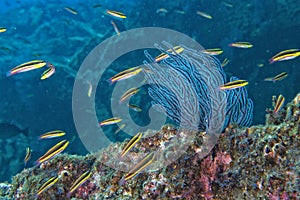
(278, 77)
(8, 130)
(227, 4)
(116, 14)
(5, 48)
(205, 15)
(81, 180)
(89, 93)
(177, 49)
(110, 121)
(279, 103)
(52, 134)
(55, 150)
(47, 185)
(179, 12)
(28, 155)
(162, 11)
(2, 29)
(28, 66)
(140, 166)
(128, 73)
(115, 27)
(128, 93)
(71, 10)
(97, 6)
(233, 85)
(213, 52)
(225, 62)
(260, 65)
(49, 72)
(134, 107)
(243, 45)
(285, 55)
(131, 143)
(120, 128)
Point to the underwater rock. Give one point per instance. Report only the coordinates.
(259, 161)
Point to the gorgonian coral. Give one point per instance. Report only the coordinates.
(186, 86)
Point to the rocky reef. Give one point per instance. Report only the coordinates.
(259, 161)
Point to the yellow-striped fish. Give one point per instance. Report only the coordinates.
(49, 72)
(55, 150)
(277, 77)
(47, 185)
(52, 134)
(205, 15)
(233, 85)
(120, 128)
(28, 155)
(128, 73)
(2, 29)
(128, 93)
(131, 143)
(177, 49)
(213, 52)
(116, 14)
(134, 107)
(225, 62)
(71, 10)
(31, 65)
(279, 103)
(115, 27)
(140, 166)
(285, 55)
(81, 180)
(110, 121)
(243, 45)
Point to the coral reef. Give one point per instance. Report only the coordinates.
(259, 161)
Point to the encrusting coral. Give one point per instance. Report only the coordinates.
(259, 161)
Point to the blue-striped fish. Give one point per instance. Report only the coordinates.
(55, 150)
(128, 93)
(28, 66)
(278, 77)
(49, 72)
(116, 14)
(110, 121)
(47, 185)
(285, 55)
(233, 85)
(28, 155)
(243, 45)
(52, 134)
(81, 180)
(140, 166)
(131, 143)
(279, 103)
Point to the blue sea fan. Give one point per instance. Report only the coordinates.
(186, 86)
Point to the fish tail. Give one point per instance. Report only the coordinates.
(110, 82)
(8, 74)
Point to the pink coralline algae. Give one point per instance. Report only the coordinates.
(210, 168)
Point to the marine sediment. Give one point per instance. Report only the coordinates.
(260, 162)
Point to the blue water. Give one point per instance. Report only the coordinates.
(45, 30)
